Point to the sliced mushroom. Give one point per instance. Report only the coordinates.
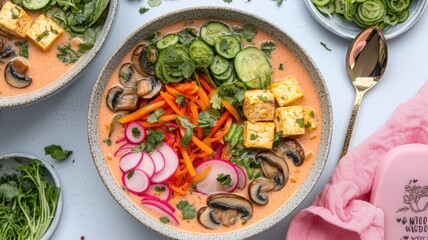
(225, 201)
(148, 87)
(259, 188)
(280, 177)
(224, 209)
(15, 73)
(292, 149)
(126, 74)
(144, 58)
(210, 218)
(117, 99)
(6, 51)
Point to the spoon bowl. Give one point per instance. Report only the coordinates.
(366, 62)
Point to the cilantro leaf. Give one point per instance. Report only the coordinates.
(154, 3)
(254, 136)
(267, 47)
(227, 1)
(249, 32)
(281, 66)
(188, 211)
(208, 118)
(301, 122)
(57, 152)
(325, 46)
(164, 220)
(216, 101)
(9, 190)
(154, 117)
(185, 122)
(224, 179)
(143, 10)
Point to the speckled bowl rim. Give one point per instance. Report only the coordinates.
(54, 175)
(347, 30)
(218, 13)
(66, 79)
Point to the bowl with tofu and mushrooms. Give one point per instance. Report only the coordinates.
(217, 127)
(39, 29)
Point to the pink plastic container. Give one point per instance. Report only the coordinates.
(400, 189)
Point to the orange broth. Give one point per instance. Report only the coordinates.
(310, 141)
(44, 67)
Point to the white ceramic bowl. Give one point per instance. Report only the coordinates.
(348, 30)
(207, 13)
(11, 161)
(66, 79)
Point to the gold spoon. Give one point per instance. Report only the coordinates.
(366, 62)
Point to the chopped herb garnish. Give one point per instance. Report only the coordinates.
(281, 66)
(54, 31)
(253, 136)
(224, 45)
(187, 35)
(143, 10)
(164, 220)
(227, 1)
(107, 141)
(308, 125)
(244, 222)
(154, 117)
(277, 137)
(224, 179)
(188, 211)
(264, 98)
(160, 189)
(154, 3)
(130, 174)
(312, 114)
(208, 118)
(67, 55)
(14, 14)
(279, 2)
(42, 35)
(278, 119)
(248, 32)
(136, 132)
(125, 76)
(189, 130)
(206, 132)
(180, 100)
(57, 152)
(267, 47)
(23, 49)
(325, 46)
(301, 122)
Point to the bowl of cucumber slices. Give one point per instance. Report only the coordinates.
(347, 18)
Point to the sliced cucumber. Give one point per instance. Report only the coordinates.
(219, 65)
(168, 76)
(200, 53)
(211, 31)
(167, 40)
(225, 75)
(253, 67)
(35, 5)
(158, 66)
(227, 46)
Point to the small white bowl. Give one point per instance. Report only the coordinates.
(348, 30)
(11, 161)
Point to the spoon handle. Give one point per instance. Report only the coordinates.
(358, 97)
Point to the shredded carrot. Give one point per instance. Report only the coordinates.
(170, 101)
(204, 97)
(201, 175)
(141, 112)
(187, 88)
(150, 125)
(220, 134)
(205, 84)
(202, 145)
(223, 118)
(187, 161)
(168, 118)
(194, 111)
(177, 190)
(232, 110)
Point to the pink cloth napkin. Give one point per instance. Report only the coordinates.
(341, 210)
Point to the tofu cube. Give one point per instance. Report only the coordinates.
(289, 120)
(259, 134)
(14, 20)
(44, 32)
(309, 119)
(286, 91)
(259, 105)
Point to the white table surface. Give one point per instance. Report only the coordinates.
(89, 209)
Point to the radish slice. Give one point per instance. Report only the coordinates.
(123, 139)
(242, 177)
(130, 160)
(158, 159)
(136, 181)
(135, 132)
(210, 184)
(146, 165)
(171, 163)
(159, 202)
(154, 191)
(162, 211)
(127, 147)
